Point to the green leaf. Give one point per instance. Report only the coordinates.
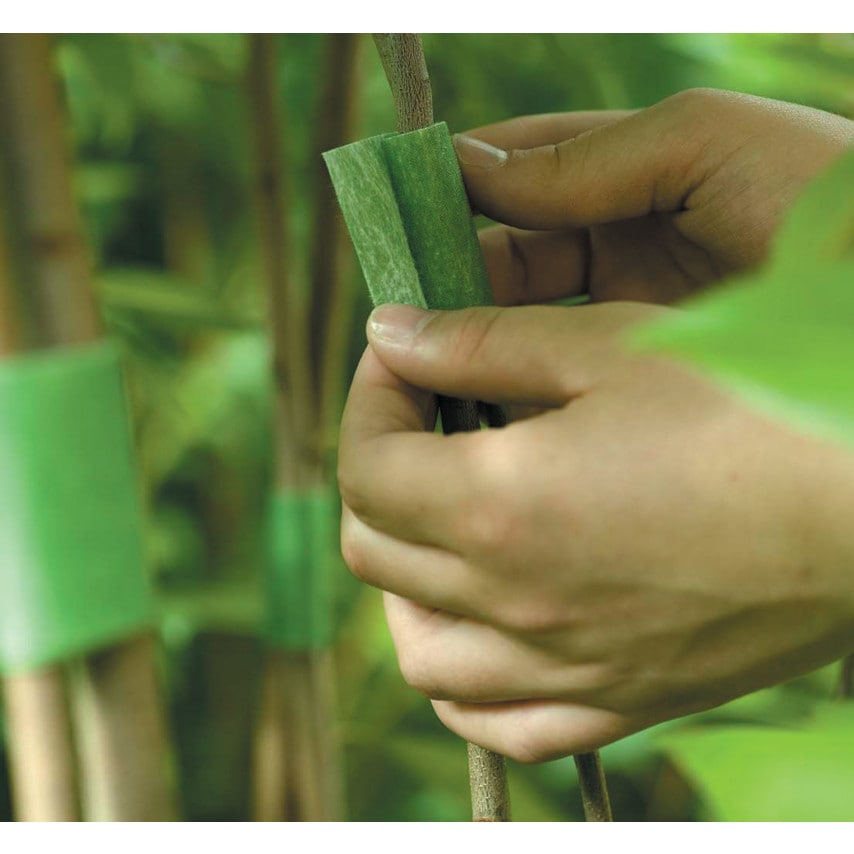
(784, 338)
(747, 773)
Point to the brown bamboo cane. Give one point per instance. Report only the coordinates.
(331, 262)
(42, 765)
(406, 69)
(332, 291)
(125, 751)
(41, 751)
(42, 761)
(296, 768)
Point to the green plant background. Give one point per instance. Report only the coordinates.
(163, 173)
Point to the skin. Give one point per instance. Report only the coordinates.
(639, 545)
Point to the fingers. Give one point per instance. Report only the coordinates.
(434, 576)
(544, 129)
(535, 730)
(533, 356)
(414, 485)
(446, 656)
(527, 267)
(611, 171)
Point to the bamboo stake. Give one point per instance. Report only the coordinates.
(299, 777)
(406, 69)
(594, 791)
(62, 306)
(404, 64)
(490, 799)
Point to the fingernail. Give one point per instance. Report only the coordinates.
(397, 324)
(475, 152)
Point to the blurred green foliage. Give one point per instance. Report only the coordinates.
(159, 125)
(766, 335)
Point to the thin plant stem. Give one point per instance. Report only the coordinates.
(61, 309)
(490, 799)
(594, 791)
(406, 69)
(403, 61)
(404, 64)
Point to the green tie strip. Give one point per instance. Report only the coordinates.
(405, 205)
(72, 573)
(303, 527)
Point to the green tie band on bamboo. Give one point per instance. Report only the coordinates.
(405, 205)
(72, 573)
(299, 572)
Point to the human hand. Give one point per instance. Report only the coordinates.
(649, 205)
(643, 548)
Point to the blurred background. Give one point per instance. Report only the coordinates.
(163, 173)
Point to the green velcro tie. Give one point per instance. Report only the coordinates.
(303, 529)
(72, 575)
(405, 205)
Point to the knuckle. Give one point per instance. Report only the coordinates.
(353, 552)
(698, 98)
(347, 488)
(522, 616)
(416, 671)
(528, 747)
(487, 518)
(483, 526)
(351, 488)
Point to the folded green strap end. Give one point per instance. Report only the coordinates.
(405, 205)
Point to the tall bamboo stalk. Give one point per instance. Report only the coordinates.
(296, 766)
(122, 733)
(331, 267)
(41, 751)
(62, 308)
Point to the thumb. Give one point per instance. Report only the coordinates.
(632, 167)
(538, 356)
